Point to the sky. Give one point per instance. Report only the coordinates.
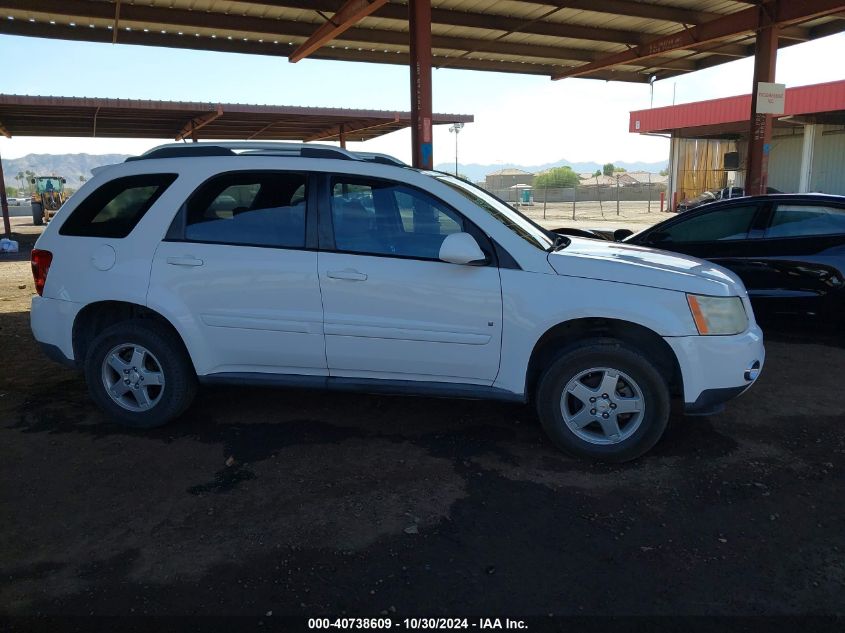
(518, 119)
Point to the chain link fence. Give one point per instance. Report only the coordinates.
(609, 201)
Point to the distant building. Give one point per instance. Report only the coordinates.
(506, 178)
(645, 177)
(602, 181)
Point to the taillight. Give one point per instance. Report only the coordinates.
(41, 261)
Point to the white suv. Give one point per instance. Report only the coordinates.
(310, 266)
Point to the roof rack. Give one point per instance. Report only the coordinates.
(259, 148)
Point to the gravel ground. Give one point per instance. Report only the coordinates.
(305, 503)
(632, 215)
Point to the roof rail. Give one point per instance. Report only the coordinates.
(384, 159)
(262, 148)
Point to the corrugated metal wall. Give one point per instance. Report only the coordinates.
(785, 161)
(829, 161)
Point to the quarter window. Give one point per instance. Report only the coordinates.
(732, 223)
(795, 220)
(249, 209)
(384, 218)
(115, 208)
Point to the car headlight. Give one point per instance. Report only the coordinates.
(718, 316)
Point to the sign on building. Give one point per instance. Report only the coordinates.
(770, 98)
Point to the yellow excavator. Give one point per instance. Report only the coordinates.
(47, 197)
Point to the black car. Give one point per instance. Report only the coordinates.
(708, 197)
(788, 249)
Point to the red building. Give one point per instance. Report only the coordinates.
(709, 141)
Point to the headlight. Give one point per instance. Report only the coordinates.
(718, 316)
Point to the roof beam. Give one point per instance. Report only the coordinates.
(352, 12)
(183, 20)
(349, 128)
(190, 128)
(253, 47)
(783, 12)
(451, 17)
(632, 9)
(505, 23)
(116, 26)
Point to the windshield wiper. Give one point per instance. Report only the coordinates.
(561, 241)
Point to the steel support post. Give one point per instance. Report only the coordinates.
(4, 204)
(419, 16)
(760, 137)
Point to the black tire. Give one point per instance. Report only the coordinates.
(37, 214)
(614, 354)
(180, 381)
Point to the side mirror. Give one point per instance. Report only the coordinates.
(461, 248)
(621, 234)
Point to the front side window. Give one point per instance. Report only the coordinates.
(506, 215)
(387, 218)
(249, 209)
(113, 210)
(801, 220)
(715, 226)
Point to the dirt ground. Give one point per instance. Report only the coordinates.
(305, 503)
(632, 215)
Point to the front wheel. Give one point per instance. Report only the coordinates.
(139, 373)
(37, 214)
(603, 400)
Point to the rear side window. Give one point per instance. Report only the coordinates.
(792, 220)
(116, 207)
(732, 223)
(249, 209)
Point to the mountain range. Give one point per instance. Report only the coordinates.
(476, 172)
(71, 166)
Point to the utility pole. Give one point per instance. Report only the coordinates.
(456, 128)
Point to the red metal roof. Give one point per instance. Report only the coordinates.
(819, 98)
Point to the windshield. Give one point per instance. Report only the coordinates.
(502, 212)
(46, 183)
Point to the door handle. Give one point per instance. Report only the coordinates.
(349, 275)
(184, 261)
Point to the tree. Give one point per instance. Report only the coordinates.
(557, 178)
(82, 178)
(12, 192)
(619, 170)
(597, 173)
(664, 172)
(608, 169)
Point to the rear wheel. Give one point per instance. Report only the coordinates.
(603, 400)
(139, 373)
(37, 214)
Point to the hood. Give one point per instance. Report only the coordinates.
(641, 266)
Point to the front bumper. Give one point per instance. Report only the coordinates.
(716, 369)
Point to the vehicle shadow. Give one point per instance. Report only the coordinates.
(253, 424)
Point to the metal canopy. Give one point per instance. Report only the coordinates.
(126, 118)
(625, 40)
